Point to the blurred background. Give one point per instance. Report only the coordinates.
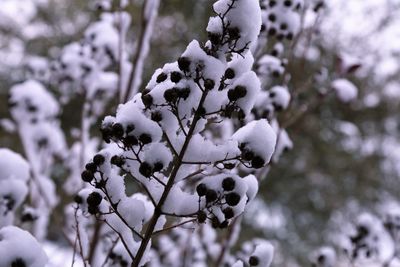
(345, 157)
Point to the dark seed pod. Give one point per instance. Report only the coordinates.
(78, 199)
(145, 138)
(158, 166)
(228, 184)
(234, 33)
(184, 93)
(117, 160)
(214, 38)
(201, 216)
(271, 31)
(161, 77)
(247, 155)
(229, 213)
(241, 91)
(272, 17)
(257, 162)
(91, 167)
(146, 169)
(147, 100)
(18, 262)
(176, 76)
(87, 176)
(118, 130)
(232, 199)
(184, 64)
(156, 116)
(201, 189)
(254, 261)
(171, 95)
(209, 84)
(130, 128)
(232, 95)
(229, 73)
(211, 195)
(98, 159)
(93, 209)
(94, 199)
(106, 132)
(131, 140)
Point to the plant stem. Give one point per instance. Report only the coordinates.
(168, 187)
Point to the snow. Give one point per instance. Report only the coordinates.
(258, 137)
(264, 251)
(32, 101)
(324, 257)
(345, 90)
(246, 16)
(17, 244)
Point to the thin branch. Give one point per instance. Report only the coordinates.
(143, 47)
(173, 226)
